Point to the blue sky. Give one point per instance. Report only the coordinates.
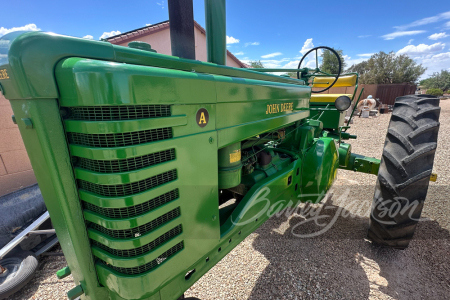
(275, 32)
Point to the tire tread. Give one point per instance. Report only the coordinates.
(411, 154)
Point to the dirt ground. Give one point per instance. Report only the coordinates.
(279, 261)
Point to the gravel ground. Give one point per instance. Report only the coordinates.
(275, 263)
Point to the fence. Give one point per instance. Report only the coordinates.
(385, 92)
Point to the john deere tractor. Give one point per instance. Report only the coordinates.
(136, 153)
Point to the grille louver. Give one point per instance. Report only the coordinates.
(110, 140)
(125, 165)
(114, 113)
(143, 249)
(128, 188)
(151, 265)
(138, 231)
(133, 211)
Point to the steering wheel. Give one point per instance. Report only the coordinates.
(317, 70)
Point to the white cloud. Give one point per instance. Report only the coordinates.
(88, 37)
(252, 44)
(424, 21)
(148, 24)
(239, 53)
(435, 63)
(28, 27)
(274, 63)
(421, 49)
(393, 35)
(410, 41)
(364, 36)
(291, 65)
(232, 40)
(109, 34)
(310, 60)
(363, 55)
(436, 36)
(308, 45)
(447, 25)
(350, 62)
(272, 55)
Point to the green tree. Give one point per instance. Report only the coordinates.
(388, 68)
(425, 82)
(439, 80)
(330, 63)
(435, 92)
(256, 64)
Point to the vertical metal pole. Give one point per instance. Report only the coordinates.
(317, 60)
(216, 31)
(181, 20)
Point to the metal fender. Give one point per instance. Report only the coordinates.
(319, 169)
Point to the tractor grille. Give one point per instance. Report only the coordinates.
(120, 190)
(132, 211)
(125, 165)
(120, 139)
(138, 231)
(116, 143)
(143, 249)
(151, 265)
(114, 113)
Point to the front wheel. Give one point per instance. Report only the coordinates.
(405, 170)
(16, 271)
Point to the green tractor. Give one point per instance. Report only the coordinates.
(154, 167)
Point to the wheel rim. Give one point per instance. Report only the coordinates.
(12, 266)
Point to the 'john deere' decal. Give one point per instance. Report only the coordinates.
(202, 117)
(282, 107)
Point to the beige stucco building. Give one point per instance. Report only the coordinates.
(158, 36)
(15, 167)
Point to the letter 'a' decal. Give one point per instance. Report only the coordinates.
(202, 117)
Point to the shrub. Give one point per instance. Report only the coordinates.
(435, 92)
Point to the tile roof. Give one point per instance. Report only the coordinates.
(133, 34)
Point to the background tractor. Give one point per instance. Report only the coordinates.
(154, 167)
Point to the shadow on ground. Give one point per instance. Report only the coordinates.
(342, 264)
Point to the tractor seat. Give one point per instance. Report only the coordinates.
(327, 98)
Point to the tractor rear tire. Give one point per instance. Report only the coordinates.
(405, 170)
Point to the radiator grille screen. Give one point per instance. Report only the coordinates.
(151, 265)
(143, 249)
(110, 140)
(113, 113)
(125, 165)
(128, 188)
(137, 231)
(132, 211)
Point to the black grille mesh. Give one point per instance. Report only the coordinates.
(132, 211)
(123, 112)
(125, 165)
(137, 231)
(151, 265)
(128, 188)
(109, 140)
(143, 249)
